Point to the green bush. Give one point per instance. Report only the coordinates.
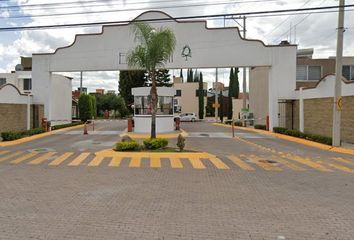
(155, 143)
(127, 146)
(10, 136)
(56, 127)
(85, 107)
(260, 126)
(311, 137)
(180, 142)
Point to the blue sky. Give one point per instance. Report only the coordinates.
(316, 31)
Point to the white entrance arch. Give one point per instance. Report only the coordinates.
(210, 47)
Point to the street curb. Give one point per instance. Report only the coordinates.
(143, 136)
(112, 153)
(294, 139)
(37, 136)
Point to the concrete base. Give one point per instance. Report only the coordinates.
(164, 124)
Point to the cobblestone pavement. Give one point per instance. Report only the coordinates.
(271, 189)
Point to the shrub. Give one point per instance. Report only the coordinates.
(10, 136)
(56, 127)
(127, 146)
(180, 142)
(155, 143)
(311, 137)
(126, 138)
(260, 126)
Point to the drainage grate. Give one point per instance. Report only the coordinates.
(204, 134)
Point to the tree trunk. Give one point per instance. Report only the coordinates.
(153, 93)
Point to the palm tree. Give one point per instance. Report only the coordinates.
(152, 52)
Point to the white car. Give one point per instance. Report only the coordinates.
(187, 117)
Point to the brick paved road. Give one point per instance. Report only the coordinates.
(40, 201)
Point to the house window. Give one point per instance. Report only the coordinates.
(27, 84)
(348, 72)
(178, 93)
(305, 72)
(204, 93)
(2, 81)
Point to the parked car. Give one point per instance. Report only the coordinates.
(187, 117)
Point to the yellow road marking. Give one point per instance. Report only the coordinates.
(155, 162)
(196, 163)
(339, 159)
(240, 163)
(176, 163)
(135, 162)
(4, 152)
(261, 162)
(115, 162)
(7, 157)
(23, 158)
(339, 167)
(79, 159)
(218, 163)
(306, 161)
(42, 158)
(60, 159)
(96, 161)
(289, 164)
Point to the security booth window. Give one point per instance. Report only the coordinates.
(142, 105)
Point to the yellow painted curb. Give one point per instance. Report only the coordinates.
(112, 153)
(37, 136)
(143, 135)
(294, 139)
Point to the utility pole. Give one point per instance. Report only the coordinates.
(337, 103)
(216, 95)
(244, 85)
(80, 82)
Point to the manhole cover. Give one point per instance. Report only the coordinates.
(96, 143)
(268, 161)
(204, 134)
(42, 150)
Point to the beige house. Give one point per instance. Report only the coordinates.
(186, 98)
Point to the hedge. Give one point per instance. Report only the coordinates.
(10, 136)
(127, 146)
(155, 143)
(56, 127)
(260, 126)
(311, 137)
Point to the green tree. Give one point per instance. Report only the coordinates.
(196, 76)
(236, 84)
(155, 46)
(181, 74)
(230, 95)
(94, 105)
(163, 78)
(85, 107)
(129, 80)
(190, 75)
(201, 96)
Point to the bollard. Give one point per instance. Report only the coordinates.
(267, 123)
(178, 121)
(130, 125)
(85, 129)
(233, 128)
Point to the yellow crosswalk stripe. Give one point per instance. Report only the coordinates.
(339, 159)
(176, 163)
(261, 162)
(135, 162)
(218, 163)
(338, 167)
(240, 163)
(155, 162)
(96, 161)
(7, 157)
(115, 162)
(4, 152)
(42, 158)
(196, 163)
(24, 157)
(306, 161)
(79, 159)
(288, 164)
(60, 159)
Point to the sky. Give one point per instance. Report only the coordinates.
(316, 31)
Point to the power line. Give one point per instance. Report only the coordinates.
(129, 9)
(166, 19)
